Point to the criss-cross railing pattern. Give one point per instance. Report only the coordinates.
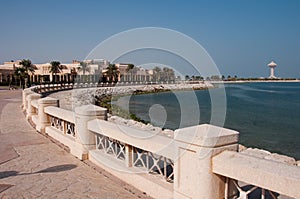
(247, 191)
(66, 127)
(111, 146)
(57, 123)
(70, 128)
(153, 163)
(145, 160)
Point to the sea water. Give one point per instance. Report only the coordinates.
(266, 114)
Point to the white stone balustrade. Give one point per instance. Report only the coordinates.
(199, 162)
(146, 140)
(191, 150)
(84, 114)
(132, 154)
(266, 174)
(193, 168)
(35, 104)
(63, 114)
(43, 118)
(25, 93)
(31, 110)
(63, 128)
(70, 128)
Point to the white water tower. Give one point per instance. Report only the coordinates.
(272, 66)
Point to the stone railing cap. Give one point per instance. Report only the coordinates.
(268, 174)
(206, 135)
(34, 96)
(90, 110)
(28, 90)
(47, 100)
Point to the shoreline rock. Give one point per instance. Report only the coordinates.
(83, 96)
(267, 155)
(141, 126)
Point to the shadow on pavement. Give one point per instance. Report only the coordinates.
(3, 187)
(54, 169)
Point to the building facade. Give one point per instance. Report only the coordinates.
(93, 71)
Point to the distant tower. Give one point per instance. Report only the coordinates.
(272, 66)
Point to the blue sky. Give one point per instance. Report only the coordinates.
(241, 36)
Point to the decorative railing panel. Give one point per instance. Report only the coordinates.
(57, 123)
(70, 128)
(145, 160)
(256, 178)
(247, 191)
(111, 146)
(153, 163)
(66, 127)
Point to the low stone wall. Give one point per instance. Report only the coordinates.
(195, 162)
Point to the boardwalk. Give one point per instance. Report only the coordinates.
(32, 166)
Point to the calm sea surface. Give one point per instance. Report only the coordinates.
(267, 115)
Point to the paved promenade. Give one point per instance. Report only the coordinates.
(32, 166)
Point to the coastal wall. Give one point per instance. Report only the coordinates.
(194, 162)
(78, 96)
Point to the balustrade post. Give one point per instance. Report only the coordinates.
(43, 118)
(128, 155)
(25, 93)
(87, 139)
(30, 109)
(195, 147)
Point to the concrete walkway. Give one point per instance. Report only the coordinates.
(32, 166)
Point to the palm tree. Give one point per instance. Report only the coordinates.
(129, 67)
(187, 78)
(129, 70)
(132, 71)
(84, 68)
(157, 73)
(112, 73)
(168, 74)
(73, 74)
(28, 67)
(20, 74)
(56, 67)
(171, 74)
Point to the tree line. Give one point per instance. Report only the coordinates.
(111, 73)
(27, 68)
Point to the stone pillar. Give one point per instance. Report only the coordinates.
(195, 147)
(30, 109)
(87, 139)
(25, 93)
(43, 117)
